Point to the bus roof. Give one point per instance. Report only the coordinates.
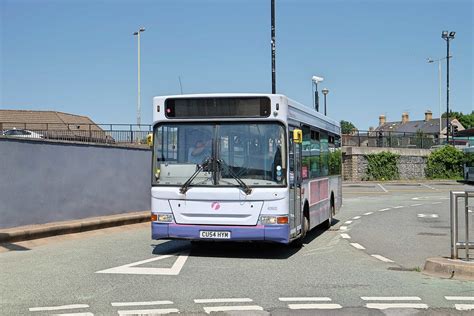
(292, 103)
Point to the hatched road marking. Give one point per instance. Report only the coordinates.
(357, 246)
(222, 300)
(383, 210)
(391, 298)
(120, 304)
(381, 258)
(345, 236)
(304, 299)
(356, 217)
(149, 311)
(209, 310)
(57, 308)
(395, 305)
(132, 269)
(399, 206)
(459, 298)
(343, 228)
(385, 190)
(368, 213)
(464, 307)
(427, 215)
(314, 306)
(75, 314)
(348, 222)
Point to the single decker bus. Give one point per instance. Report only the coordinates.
(242, 167)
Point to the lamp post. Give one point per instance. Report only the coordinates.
(325, 91)
(447, 36)
(430, 61)
(316, 80)
(273, 43)
(137, 33)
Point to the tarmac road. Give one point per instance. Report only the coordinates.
(345, 270)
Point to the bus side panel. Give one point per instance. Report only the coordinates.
(335, 186)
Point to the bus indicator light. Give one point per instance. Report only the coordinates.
(282, 220)
(154, 217)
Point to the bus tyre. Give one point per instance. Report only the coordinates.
(328, 222)
(299, 242)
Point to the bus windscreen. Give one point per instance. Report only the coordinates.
(218, 107)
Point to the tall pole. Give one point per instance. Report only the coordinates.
(273, 47)
(447, 90)
(440, 99)
(138, 97)
(325, 111)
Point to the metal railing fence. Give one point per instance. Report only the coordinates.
(391, 139)
(467, 244)
(87, 133)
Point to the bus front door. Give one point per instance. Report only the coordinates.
(295, 187)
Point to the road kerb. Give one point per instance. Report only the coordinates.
(69, 227)
(449, 268)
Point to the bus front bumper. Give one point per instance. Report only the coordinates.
(271, 233)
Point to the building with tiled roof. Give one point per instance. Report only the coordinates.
(428, 126)
(51, 124)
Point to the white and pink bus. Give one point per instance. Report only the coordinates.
(242, 167)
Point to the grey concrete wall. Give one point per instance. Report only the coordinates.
(411, 164)
(43, 182)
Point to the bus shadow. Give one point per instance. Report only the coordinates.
(245, 250)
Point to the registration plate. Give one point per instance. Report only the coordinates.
(214, 234)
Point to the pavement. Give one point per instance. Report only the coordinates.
(22, 233)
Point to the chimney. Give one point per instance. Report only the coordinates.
(405, 117)
(382, 120)
(428, 116)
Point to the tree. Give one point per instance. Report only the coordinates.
(347, 127)
(467, 120)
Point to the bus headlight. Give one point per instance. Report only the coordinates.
(163, 218)
(272, 220)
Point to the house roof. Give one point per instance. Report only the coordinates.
(427, 127)
(45, 120)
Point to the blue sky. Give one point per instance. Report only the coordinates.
(81, 57)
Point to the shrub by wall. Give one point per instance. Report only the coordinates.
(382, 166)
(445, 163)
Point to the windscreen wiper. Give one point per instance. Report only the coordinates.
(185, 187)
(247, 190)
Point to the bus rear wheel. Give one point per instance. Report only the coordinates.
(332, 211)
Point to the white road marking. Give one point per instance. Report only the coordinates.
(141, 303)
(222, 300)
(132, 269)
(419, 204)
(399, 206)
(356, 217)
(383, 210)
(385, 190)
(434, 203)
(314, 306)
(348, 222)
(74, 314)
(464, 307)
(391, 298)
(57, 308)
(368, 213)
(395, 305)
(149, 311)
(381, 258)
(343, 228)
(416, 198)
(345, 236)
(357, 246)
(428, 215)
(209, 310)
(304, 299)
(427, 186)
(459, 298)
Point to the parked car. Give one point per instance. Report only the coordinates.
(22, 133)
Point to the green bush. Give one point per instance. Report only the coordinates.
(382, 166)
(445, 163)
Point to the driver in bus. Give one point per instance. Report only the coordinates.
(200, 151)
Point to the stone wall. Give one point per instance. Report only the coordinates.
(411, 164)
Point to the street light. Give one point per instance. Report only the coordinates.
(137, 33)
(447, 36)
(430, 61)
(325, 91)
(316, 80)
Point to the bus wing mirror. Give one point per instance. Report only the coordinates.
(149, 139)
(297, 136)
